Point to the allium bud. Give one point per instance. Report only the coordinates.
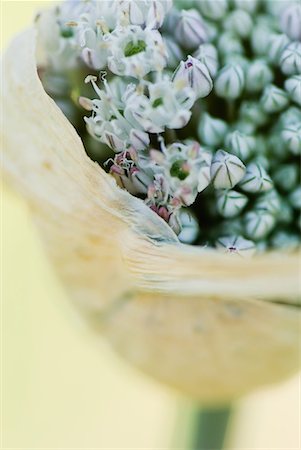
(239, 22)
(274, 99)
(240, 144)
(189, 227)
(236, 245)
(247, 5)
(258, 224)
(253, 112)
(204, 176)
(290, 117)
(258, 76)
(290, 60)
(286, 177)
(226, 170)
(229, 44)
(230, 82)
(256, 179)
(211, 131)
(291, 136)
(191, 29)
(245, 126)
(293, 87)
(290, 21)
(260, 39)
(214, 10)
(194, 74)
(285, 241)
(295, 198)
(207, 54)
(285, 215)
(230, 203)
(268, 202)
(139, 139)
(174, 52)
(277, 44)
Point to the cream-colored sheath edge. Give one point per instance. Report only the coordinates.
(200, 321)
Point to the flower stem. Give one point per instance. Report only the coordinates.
(210, 428)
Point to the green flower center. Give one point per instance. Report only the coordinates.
(178, 169)
(133, 48)
(157, 102)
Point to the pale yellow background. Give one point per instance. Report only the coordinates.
(61, 386)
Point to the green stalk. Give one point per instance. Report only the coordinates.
(201, 428)
(210, 429)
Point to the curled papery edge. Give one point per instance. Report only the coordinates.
(205, 323)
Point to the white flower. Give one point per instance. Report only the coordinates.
(256, 179)
(229, 82)
(168, 104)
(274, 99)
(146, 13)
(226, 170)
(135, 51)
(290, 60)
(194, 74)
(207, 54)
(258, 224)
(236, 245)
(290, 21)
(107, 123)
(293, 87)
(191, 29)
(211, 131)
(230, 203)
(258, 75)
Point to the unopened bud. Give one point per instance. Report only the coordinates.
(191, 29)
(240, 144)
(295, 198)
(214, 10)
(195, 75)
(290, 60)
(226, 170)
(211, 131)
(286, 177)
(229, 44)
(239, 22)
(258, 224)
(256, 179)
(274, 99)
(290, 21)
(236, 245)
(189, 227)
(291, 136)
(277, 44)
(258, 76)
(293, 87)
(230, 203)
(230, 82)
(268, 202)
(207, 54)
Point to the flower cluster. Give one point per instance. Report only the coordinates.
(196, 109)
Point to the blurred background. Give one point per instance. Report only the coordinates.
(63, 389)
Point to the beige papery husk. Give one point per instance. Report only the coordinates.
(212, 326)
